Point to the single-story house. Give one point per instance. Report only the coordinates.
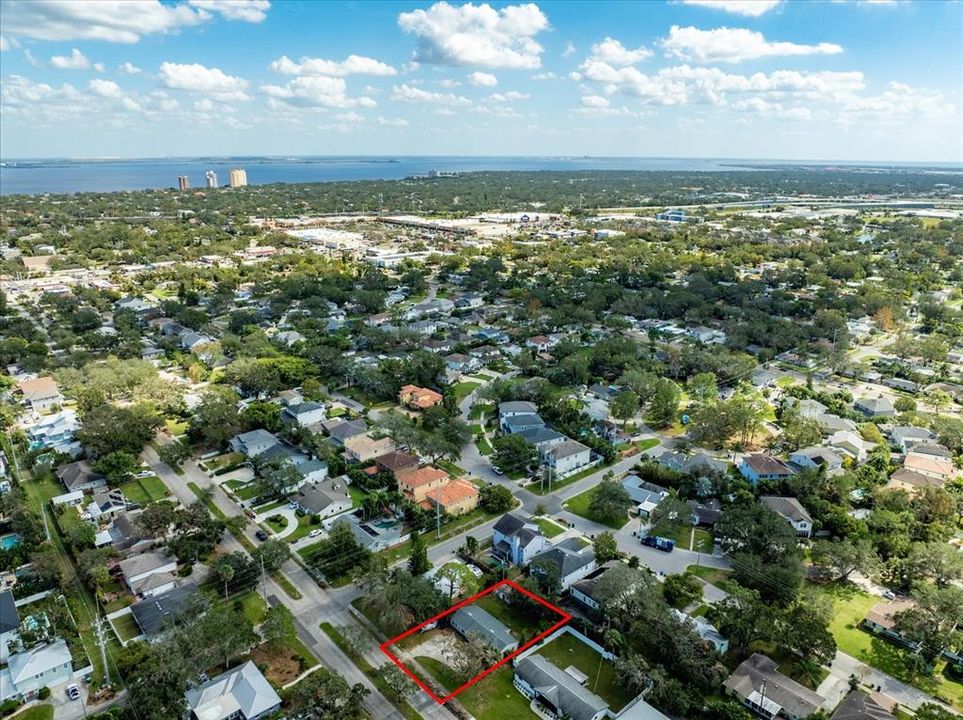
(904, 437)
(911, 482)
(516, 407)
(833, 423)
(242, 693)
(783, 696)
(77, 476)
(705, 513)
(9, 624)
(860, 706)
(818, 457)
(645, 495)
(705, 630)
(792, 511)
(559, 693)
(881, 620)
(758, 467)
(312, 471)
(472, 620)
(157, 614)
(340, 431)
(875, 407)
(150, 573)
(584, 590)
(516, 541)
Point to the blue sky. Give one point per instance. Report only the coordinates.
(850, 80)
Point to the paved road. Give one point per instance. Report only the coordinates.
(845, 665)
(315, 605)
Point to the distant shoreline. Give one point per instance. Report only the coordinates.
(34, 176)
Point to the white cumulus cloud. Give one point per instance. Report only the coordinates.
(482, 79)
(477, 35)
(316, 91)
(195, 77)
(352, 65)
(733, 45)
(392, 122)
(611, 51)
(749, 8)
(510, 96)
(75, 61)
(594, 101)
(252, 11)
(105, 88)
(409, 93)
(129, 69)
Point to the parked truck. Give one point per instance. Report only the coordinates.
(659, 543)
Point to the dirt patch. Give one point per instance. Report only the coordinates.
(444, 645)
(282, 663)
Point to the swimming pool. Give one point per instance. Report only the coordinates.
(8, 542)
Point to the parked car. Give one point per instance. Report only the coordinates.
(315, 532)
(73, 692)
(261, 535)
(497, 470)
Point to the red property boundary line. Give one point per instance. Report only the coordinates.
(442, 700)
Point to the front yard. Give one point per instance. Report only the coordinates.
(579, 504)
(145, 490)
(549, 528)
(850, 606)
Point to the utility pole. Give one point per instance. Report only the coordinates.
(103, 648)
(437, 520)
(263, 581)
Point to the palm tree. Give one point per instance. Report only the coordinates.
(226, 572)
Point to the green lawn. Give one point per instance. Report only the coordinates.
(493, 698)
(579, 505)
(154, 487)
(568, 650)
(251, 490)
(135, 492)
(683, 535)
(549, 529)
(565, 482)
(222, 462)
(254, 607)
(450, 468)
(304, 527)
(277, 522)
(175, 427)
(37, 712)
(357, 495)
(522, 627)
(463, 389)
(400, 703)
(125, 626)
(484, 447)
(849, 607)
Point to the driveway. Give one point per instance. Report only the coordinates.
(288, 514)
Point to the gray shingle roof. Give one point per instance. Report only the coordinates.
(559, 688)
(474, 620)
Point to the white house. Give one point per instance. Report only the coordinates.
(851, 444)
(792, 511)
(567, 457)
(242, 693)
(571, 561)
(516, 541)
(41, 666)
(305, 413)
(253, 443)
(814, 458)
(149, 574)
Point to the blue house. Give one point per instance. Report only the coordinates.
(758, 467)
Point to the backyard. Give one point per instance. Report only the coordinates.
(567, 650)
(125, 627)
